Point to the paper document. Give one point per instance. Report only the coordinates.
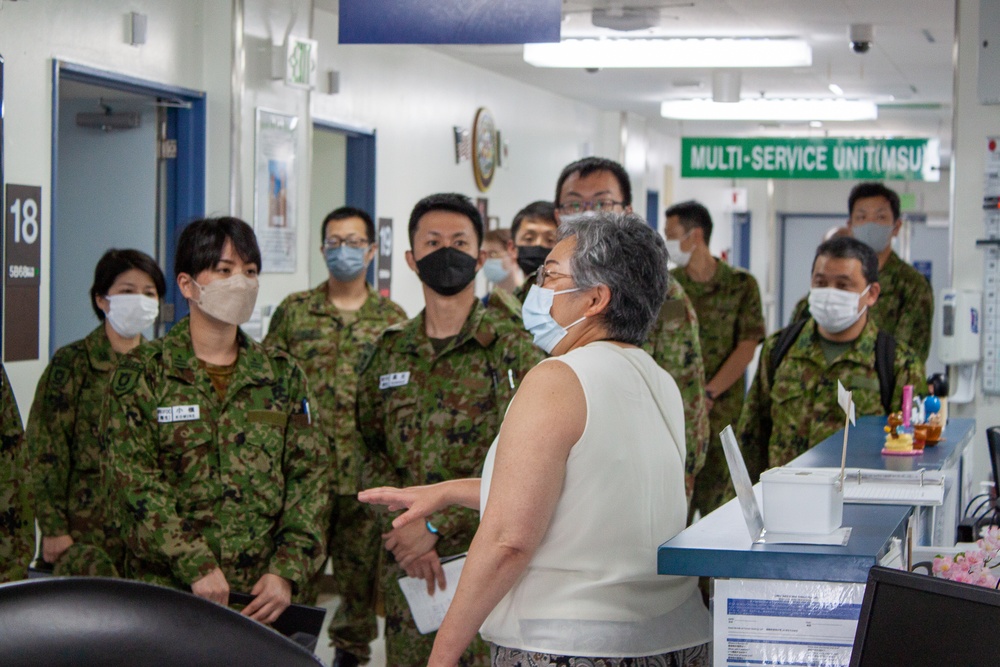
(884, 487)
(846, 401)
(771, 622)
(429, 610)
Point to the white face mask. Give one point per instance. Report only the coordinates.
(835, 310)
(230, 300)
(676, 255)
(131, 314)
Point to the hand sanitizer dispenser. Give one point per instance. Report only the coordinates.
(957, 326)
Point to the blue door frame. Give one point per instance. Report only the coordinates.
(653, 209)
(359, 186)
(185, 200)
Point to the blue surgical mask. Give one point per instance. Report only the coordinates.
(539, 321)
(345, 263)
(494, 271)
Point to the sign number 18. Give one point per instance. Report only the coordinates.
(25, 221)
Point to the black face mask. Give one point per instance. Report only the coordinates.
(530, 257)
(447, 271)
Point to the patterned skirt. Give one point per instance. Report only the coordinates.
(696, 656)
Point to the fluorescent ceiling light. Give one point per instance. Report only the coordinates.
(700, 53)
(773, 109)
(836, 90)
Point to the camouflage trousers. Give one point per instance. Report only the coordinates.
(355, 548)
(713, 485)
(404, 646)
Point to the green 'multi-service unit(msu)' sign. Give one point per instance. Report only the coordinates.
(814, 158)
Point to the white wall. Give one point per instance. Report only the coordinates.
(188, 45)
(973, 123)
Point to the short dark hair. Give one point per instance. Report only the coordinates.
(447, 201)
(201, 243)
(692, 214)
(500, 236)
(344, 213)
(536, 210)
(117, 261)
(873, 189)
(588, 166)
(848, 247)
(621, 251)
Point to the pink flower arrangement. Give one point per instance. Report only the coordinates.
(978, 566)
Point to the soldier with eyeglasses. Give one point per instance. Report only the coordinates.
(326, 329)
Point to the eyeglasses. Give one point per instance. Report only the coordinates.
(335, 242)
(544, 273)
(597, 206)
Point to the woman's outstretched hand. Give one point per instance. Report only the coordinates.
(418, 501)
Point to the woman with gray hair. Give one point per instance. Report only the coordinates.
(584, 481)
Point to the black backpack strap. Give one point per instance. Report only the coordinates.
(784, 343)
(885, 360)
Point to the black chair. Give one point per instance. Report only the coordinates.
(108, 622)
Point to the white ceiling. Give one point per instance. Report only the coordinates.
(908, 70)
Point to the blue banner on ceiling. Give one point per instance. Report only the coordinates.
(449, 21)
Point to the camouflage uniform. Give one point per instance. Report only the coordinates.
(17, 530)
(243, 485)
(327, 345)
(729, 312)
(436, 424)
(905, 306)
(64, 444)
(785, 415)
(673, 343)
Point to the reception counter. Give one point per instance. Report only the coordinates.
(793, 604)
(719, 545)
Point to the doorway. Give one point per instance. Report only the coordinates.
(343, 174)
(799, 235)
(128, 171)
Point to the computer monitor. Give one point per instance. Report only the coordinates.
(915, 619)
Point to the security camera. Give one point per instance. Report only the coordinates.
(862, 36)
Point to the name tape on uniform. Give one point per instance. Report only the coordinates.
(178, 413)
(394, 380)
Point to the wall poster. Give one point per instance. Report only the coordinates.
(275, 189)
